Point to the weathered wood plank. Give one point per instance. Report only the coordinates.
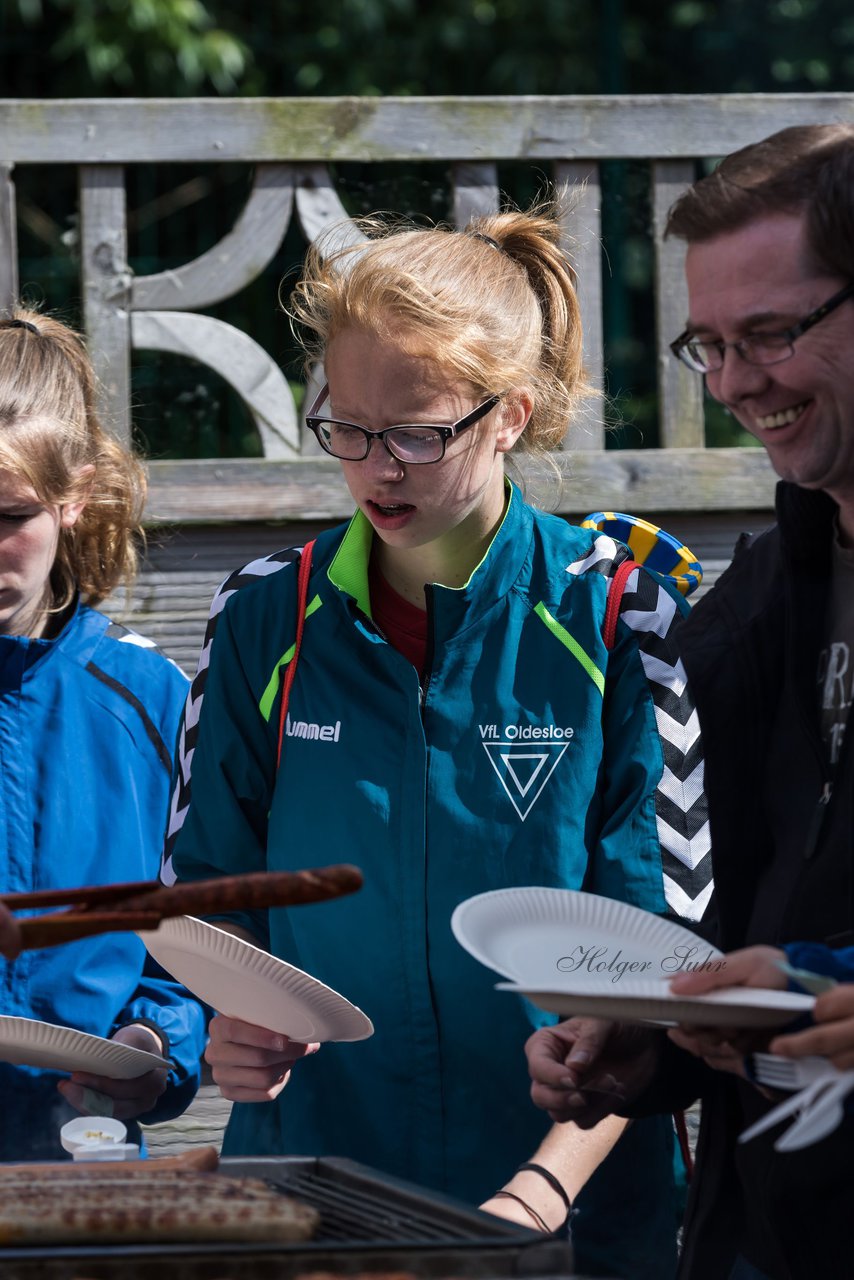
(201, 1125)
(680, 390)
(639, 480)
(583, 228)
(106, 289)
(246, 489)
(239, 257)
(624, 480)
(8, 239)
(99, 131)
(475, 189)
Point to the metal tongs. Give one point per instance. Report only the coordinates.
(142, 905)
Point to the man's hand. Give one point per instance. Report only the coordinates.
(251, 1064)
(587, 1068)
(130, 1098)
(833, 1035)
(723, 1048)
(751, 967)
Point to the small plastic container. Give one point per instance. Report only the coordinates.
(97, 1138)
(106, 1151)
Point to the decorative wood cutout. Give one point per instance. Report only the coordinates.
(238, 259)
(238, 359)
(320, 211)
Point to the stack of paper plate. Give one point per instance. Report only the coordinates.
(577, 953)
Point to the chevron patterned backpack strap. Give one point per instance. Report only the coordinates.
(302, 598)
(609, 634)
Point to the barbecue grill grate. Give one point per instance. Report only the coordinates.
(370, 1222)
(349, 1213)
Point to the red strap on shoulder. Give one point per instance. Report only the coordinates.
(682, 1135)
(302, 598)
(615, 597)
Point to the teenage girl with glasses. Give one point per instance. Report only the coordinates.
(457, 723)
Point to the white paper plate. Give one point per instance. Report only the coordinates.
(651, 1000)
(27, 1043)
(242, 981)
(539, 936)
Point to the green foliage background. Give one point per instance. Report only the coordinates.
(59, 48)
(173, 48)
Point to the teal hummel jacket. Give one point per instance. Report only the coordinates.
(529, 756)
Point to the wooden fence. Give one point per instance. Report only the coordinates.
(207, 517)
(291, 143)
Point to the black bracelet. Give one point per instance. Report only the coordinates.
(550, 1178)
(511, 1195)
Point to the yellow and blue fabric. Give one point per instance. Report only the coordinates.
(652, 547)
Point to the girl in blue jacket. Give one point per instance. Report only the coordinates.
(460, 720)
(88, 718)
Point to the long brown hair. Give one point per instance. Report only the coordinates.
(50, 437)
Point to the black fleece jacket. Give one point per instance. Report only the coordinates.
(783, 857)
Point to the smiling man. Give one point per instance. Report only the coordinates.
(768, 652)
(770, 271)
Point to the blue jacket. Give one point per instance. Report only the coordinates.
(88, 723)
(530, 755)
(815, 957)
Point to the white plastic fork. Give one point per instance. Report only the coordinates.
(776, 1072)
(820, 1118)
(795, 1105)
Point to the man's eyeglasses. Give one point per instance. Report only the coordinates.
(414, 443)
(705, 355)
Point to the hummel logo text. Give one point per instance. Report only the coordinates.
(307, 729)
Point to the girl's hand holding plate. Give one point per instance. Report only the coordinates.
(251, 1064)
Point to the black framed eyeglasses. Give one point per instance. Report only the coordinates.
(704, 355)
(414, 443)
